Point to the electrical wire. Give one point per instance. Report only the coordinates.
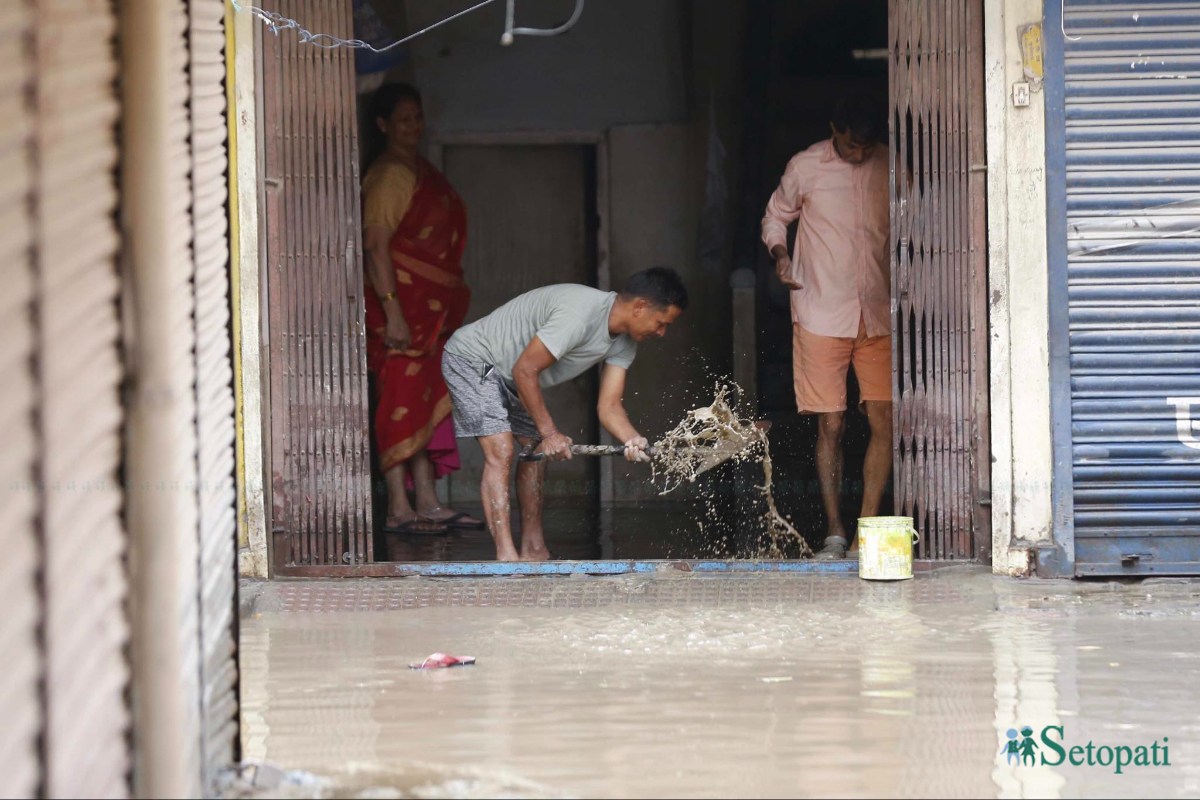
(327, 41)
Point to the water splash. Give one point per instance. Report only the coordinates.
(715, 434)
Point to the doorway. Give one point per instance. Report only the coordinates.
(922, 64)
(531, 212)
(801, 58)
(920, 59)
(532, 221)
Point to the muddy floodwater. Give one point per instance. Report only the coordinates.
(679, 685)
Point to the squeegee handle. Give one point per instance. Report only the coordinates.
(583, 450)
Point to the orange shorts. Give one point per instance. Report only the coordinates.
(819, 365)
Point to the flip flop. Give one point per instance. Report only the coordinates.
(834, 549)
(458, 521)
(419, 526)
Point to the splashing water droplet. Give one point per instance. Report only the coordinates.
(714, 434)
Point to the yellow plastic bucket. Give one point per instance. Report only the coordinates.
(885, 548)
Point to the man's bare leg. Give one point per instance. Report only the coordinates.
(831, 425)
(531, 480)
(498, 452)
(877, 465)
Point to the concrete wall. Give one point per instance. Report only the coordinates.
(650, 165)
(1020, 378)
(622, 63)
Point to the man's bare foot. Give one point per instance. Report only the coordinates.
(535, 553)
(510, 555)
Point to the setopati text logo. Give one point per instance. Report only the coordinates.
(1051, 748)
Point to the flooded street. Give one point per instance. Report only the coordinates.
(679, 685)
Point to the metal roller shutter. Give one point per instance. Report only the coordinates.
(19, 707)
(79, 367)
(1132, 133)
(214, 387)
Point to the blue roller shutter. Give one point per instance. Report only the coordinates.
(1132, 134)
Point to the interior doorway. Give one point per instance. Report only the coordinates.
(531, 212)
(801, 57)
(921, 63)
(532, 221)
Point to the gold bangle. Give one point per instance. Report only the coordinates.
(388, 296)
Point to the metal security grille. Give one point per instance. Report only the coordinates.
(939, 274)
(1132, 148)
(320, 470)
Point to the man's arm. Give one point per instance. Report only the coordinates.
(536, 358)
(782, 210)
(611, 410)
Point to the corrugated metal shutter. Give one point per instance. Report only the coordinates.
(19, 706)
(1132, 108)
(320, 472)
(79, 365)
(214, 388)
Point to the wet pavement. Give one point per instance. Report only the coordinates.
(683, 685)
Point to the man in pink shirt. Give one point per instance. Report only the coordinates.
(839, 276)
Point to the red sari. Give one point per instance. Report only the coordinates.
(426, 251)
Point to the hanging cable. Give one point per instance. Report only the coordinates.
(277, 22)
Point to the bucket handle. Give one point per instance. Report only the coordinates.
(916, 537)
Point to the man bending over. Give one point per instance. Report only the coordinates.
(497, 367)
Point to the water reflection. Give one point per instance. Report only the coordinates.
(1026, 675)
(704, 686)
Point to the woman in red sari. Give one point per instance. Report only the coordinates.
(414, 231)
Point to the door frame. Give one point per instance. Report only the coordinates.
(1057, 558)
(438, 141)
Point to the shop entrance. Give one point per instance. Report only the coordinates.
(923, 63)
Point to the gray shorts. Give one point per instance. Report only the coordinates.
(483, 403)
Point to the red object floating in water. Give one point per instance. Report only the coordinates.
(442, 660)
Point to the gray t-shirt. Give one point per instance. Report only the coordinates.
(571, 320)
